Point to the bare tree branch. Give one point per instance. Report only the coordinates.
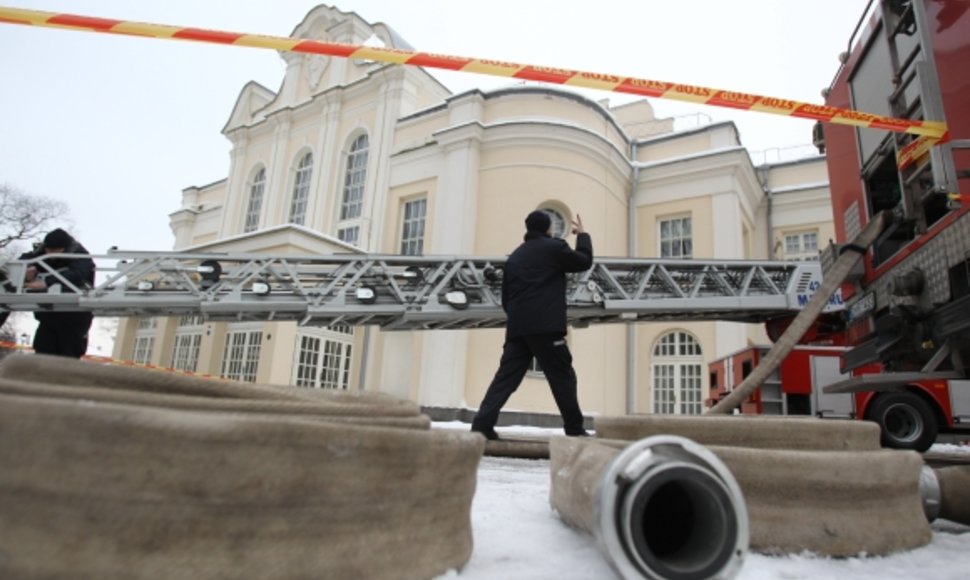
(24, 216)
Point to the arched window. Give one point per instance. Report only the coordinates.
(354, 179)
(301, 189)
(255, 205)
(352, 200)
(676, 373)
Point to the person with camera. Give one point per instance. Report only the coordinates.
(60, 333)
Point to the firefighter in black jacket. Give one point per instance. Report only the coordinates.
(534, 300)
(61, 333)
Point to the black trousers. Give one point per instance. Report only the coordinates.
(557, 364)
(63, 334)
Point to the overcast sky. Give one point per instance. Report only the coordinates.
(118, 126)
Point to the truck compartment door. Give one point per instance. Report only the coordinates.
(825, 371)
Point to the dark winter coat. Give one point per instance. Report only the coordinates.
(77, 271)
(534, 283)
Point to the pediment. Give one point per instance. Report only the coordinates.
(282, 240)
(253, 98)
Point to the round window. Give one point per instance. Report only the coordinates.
(558, 223)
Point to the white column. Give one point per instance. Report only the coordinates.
(444, 357)
(452, 223)
(277, 200)
(326, 171)
(378, 162)
(727, 235)
(237, 194)
(452, 231)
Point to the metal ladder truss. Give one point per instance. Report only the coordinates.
(407, 292)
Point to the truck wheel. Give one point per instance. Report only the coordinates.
(905, 420)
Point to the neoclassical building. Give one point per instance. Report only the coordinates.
(360, 156)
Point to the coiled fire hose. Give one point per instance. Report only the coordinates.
(109, 472)
(804, 484)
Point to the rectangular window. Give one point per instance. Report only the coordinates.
(142, 353)
(677, 389)
(240, 359)
(412, 227)
(810, 241)
(676, 240)
(690, 389)
(663, 389)
(144, 341)
(349, 235)
(185, 353)
(190, 320)
(335, 370)
(188, 339)
(308, 363)
(323, 360)
(801, 246)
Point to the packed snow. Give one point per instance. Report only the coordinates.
(518, 535)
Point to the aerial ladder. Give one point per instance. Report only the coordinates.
(407, 292)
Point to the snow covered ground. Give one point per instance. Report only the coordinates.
(518, 536)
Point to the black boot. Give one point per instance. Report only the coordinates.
(488, 433)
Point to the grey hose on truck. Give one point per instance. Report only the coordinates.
(832, 280)
(661, 508)
(121, 480)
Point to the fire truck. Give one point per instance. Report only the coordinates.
(910, 415)
(903, 340)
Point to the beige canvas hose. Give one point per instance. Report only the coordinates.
(835, 503)
(105, 474)
(659, 508)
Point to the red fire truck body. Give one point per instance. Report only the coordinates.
(789, 390)
(909, 61)
(906, 325)
(797, 387)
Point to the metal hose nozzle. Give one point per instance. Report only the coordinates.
(668, 508)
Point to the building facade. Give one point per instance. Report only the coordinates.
(358, 156)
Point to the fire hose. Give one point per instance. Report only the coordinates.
(944, 492)
(109, 472)
(662, 506)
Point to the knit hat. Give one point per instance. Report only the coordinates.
(538, 221)
(58, 239)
